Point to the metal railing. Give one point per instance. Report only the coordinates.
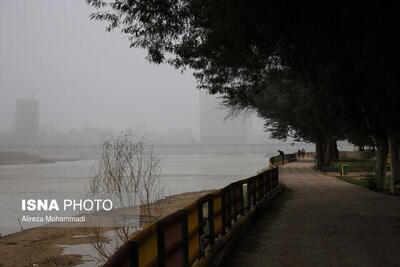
(185, 236)
(277, 160)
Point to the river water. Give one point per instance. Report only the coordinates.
(180, 173)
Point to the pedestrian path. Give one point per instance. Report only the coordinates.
(322, 221)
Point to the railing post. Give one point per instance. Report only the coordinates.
(248, 195)
(234, 203)
(270, 174)
(257, 185)
(200, 222)
(273, 178)
(241, 200)
(223, 211)
(269, 180)
(265, 183)
(229, 204)
(160, 244)
(133, 253)
(277, 176)
(185, 238)
(211, 218)
(254, 192)
(262, 188)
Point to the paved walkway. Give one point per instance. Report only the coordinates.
(322, 221)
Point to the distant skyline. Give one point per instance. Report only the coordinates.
(28, 130)
(85, 76)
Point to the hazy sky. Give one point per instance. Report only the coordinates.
(83, 75)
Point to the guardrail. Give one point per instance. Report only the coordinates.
(277, 160)
(185, 236)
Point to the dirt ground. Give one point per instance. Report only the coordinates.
(40, 246)
(320, 220)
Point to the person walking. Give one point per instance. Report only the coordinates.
(299, 153)
(303, 153)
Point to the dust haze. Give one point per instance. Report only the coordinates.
(86, 82)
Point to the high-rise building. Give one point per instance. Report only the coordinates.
(215, 128)
(27, 122)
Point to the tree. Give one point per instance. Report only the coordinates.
(290, 110)
(128, 173)
(345, 52)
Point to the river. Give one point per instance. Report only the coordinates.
(184, 172)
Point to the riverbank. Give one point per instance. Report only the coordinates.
(17, 157)
(44, 246)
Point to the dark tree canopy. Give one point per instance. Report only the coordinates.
(349, 48)
(311, 69)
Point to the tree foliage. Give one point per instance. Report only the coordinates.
(314, 69)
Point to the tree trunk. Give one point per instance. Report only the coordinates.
(327, 161)
(394, 160)
(319, 151)
(331, 150)
(336, 152)
(381, 144)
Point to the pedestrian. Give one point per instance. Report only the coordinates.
(299, 153)
(303, 153)
(282, 156)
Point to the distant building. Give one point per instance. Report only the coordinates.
(214, 128)
(27, 122)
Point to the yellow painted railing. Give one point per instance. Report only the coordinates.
(183, 237)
